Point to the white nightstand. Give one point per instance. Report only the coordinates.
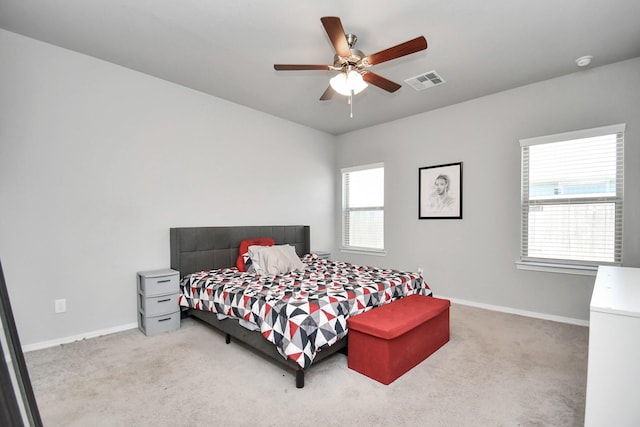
(322, 254)
(158, 309)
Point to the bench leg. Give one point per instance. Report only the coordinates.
(227, 338)
(299, 378)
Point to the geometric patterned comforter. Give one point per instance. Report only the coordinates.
(299, 312)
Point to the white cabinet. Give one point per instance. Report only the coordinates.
(158, 309)
(613, 378)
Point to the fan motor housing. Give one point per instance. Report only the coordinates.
(354, 59)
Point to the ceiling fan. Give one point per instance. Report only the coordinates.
(353, 64)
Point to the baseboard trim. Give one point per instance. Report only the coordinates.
(93, 334)
(525, 313)
(67, 340)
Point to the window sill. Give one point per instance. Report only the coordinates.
(582, 270)
(364, 251)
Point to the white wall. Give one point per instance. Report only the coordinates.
(97, 162)
(473, 258)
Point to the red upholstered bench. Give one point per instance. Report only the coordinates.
(388, 341)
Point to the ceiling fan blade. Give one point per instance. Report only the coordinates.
(333, 27)
(289, 67)
(381, 82)
(328, 94)
(406, 48)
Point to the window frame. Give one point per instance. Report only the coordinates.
(580, 267)
(344, 212)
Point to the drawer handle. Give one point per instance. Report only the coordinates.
(164, 320)
(164, 300)
(164, 281)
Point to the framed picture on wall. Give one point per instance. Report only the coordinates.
(440, 191)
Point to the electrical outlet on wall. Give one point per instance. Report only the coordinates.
(60, 305)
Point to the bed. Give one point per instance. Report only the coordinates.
(297, 318)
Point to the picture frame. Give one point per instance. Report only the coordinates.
(440, 191)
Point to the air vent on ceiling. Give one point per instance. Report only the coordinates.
(425, 81)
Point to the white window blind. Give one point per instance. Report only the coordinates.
(572, 196)
(363, 208)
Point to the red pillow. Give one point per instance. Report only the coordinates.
(244, 248)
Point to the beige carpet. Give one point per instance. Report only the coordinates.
(497, 370)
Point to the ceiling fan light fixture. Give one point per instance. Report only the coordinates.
(348, 84)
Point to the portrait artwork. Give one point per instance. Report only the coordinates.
(440, 191)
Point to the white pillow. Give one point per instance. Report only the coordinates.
(279, 259)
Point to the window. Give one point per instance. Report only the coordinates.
(363, 208)
(572, 194)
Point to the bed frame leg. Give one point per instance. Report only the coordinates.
(299, 378)
(227, 338)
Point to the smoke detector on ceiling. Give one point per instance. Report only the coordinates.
(584, 61)
(425, 81)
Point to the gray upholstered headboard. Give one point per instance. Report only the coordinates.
(205, 248)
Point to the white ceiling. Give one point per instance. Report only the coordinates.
(228, 48)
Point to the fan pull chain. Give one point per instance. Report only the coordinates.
(351, 105)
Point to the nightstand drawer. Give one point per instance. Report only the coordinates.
(159, 324)
(155, 306)
(159, 282)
